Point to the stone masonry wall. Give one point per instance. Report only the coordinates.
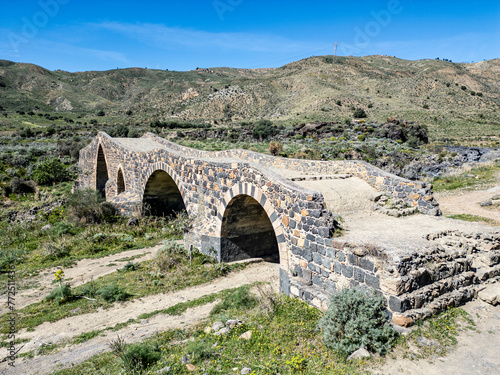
(414, 193)
(313, 264)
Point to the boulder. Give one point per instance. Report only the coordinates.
(359, 354)
(401, 320)
(246, 336)
(490, 294)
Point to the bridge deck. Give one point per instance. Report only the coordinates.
(139, 144)
(350, 197)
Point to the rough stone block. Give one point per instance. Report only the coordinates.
(337, 267)
(330, 253)
(366, 264)
(317, 280)
(307, 275)
(372, 281)
(327, 262)
(359, 275)
(330, 286)
(347, 271)
(351, 259)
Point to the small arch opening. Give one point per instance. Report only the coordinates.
(162, 197)
(101, 172)
(120, 182)
(247, 231)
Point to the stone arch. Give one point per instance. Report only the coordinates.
(101, 172)
(120, 182)
(250, 226)
(161, 195)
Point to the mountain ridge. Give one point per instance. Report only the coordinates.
(434, 92)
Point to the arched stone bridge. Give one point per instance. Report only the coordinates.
(245, 204)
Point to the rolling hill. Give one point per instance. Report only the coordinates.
(453, 99)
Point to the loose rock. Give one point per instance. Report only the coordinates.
(358, 354)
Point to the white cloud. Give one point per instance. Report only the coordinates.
(167, 37)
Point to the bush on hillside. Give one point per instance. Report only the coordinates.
(359, 113)
(357, 318)
(275, 148)
(87, 206)
(51, 171)
(264, 129)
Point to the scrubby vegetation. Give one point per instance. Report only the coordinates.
(269, 334)
(355, 319)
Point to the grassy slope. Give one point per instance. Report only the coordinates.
(300, 91)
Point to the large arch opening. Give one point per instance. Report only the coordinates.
(120, 182)
(162, 196)
(101, 172)
(247, 231)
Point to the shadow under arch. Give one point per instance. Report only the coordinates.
(162, 197)
(101, 172)
(247, 231)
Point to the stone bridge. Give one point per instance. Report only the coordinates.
(246, 205)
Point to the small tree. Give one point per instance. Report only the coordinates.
(50, 171)
(101, 113)
(263, 129)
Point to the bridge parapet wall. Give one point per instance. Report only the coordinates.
(415, 193)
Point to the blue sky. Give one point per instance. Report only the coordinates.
(78, 35)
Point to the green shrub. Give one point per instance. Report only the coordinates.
(141, 356)
(60, 295)
(113, 293)
(135, 357)
(201, 350)
(357, 318)
(263, 129)
(62, 228)
(51, 171)
(359, 113)
(88, 206)
(169, 257)
(241, 298)
(129, 267)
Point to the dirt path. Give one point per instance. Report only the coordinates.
(81, 273)
(65, 329)
(477, 352)
(75, 354)
(467, 202)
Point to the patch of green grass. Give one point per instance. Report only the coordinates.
(478, 176)
(86, 336)
(137, 283)
(285, 342)
(443, 329)
(468, 217)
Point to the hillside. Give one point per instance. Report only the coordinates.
(453, 99)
